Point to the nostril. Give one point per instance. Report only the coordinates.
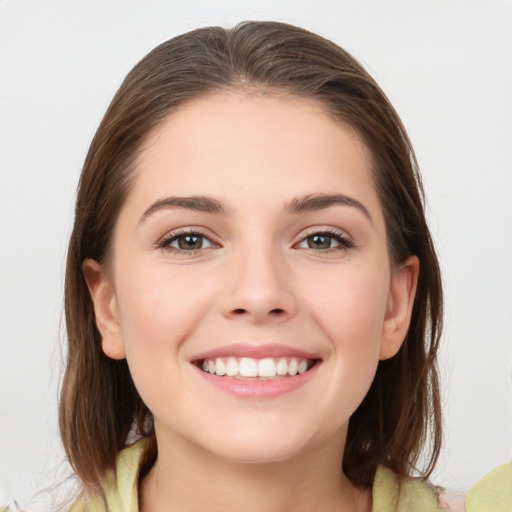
(274, 312)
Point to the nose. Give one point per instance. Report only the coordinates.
(259, 288)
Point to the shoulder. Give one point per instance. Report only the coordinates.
(118, 491)
(410, 495)
(492, 492)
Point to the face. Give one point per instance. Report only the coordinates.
(249, 286)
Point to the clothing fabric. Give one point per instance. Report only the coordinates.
(493, 492)
(119, 490)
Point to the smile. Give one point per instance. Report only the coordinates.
(262, 371)
(252, 368)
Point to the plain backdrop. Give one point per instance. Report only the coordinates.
(447, 68)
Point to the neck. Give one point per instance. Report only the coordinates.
(185, 477)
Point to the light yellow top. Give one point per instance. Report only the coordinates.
(120, 494)
(493, 492)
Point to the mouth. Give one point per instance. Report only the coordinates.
(263, 371)
(248, 368)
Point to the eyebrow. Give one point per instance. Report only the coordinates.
(298, 205)
(313, 202)
(196, 203)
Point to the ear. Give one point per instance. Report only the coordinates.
(105, 308)
(402, 291)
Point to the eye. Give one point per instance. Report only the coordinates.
(325, 241)
(188, 241)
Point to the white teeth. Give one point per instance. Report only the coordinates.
(232, 367)
(266, 368)
(248, 367)
(293, 367)
(282, 367)
(220, 367)
(303, 366)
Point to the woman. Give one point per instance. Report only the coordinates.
(251, 287)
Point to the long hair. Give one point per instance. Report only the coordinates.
(99, 404)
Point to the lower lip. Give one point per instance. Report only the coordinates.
(253, 388)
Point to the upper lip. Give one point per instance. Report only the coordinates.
(255, 352)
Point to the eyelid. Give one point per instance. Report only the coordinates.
(164, 241)
(341, 236)
(345, 241)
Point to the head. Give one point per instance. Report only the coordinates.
(401, 409)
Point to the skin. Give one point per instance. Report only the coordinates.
(259, 278)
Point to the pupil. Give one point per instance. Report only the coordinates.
(319, 242)
(190, 242)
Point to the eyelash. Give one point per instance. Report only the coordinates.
(337, 235)
(334, 234)
(165, 243)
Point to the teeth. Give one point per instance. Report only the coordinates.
(248, 367)
(282, 367)
(303, 366)
(231, 367)
(293, 367)
(266, 368)
(220, 367)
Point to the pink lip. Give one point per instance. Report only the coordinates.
(259, 389)
(255, 351)
(254, 388)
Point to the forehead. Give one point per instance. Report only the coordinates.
(234, 114)
(242, 146)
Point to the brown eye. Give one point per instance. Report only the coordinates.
(319, 241)
(186, 242)
(326, 241)
(189, 242)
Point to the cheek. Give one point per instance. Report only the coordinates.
(350, 303)
(350, 308)
(158, 308)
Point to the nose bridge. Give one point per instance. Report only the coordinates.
(258, 285)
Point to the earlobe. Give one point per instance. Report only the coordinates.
(106, 312)
(402, 292)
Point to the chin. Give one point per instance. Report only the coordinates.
(270, 453)
(257, 444)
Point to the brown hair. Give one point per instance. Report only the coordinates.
(99, 403)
